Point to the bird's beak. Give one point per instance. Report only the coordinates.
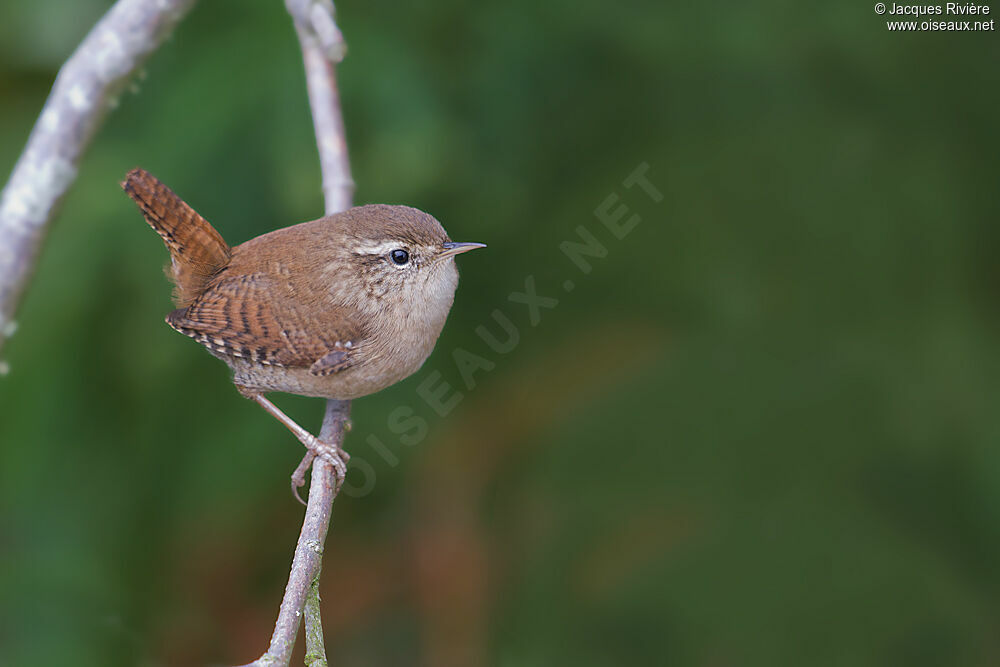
(451, 249)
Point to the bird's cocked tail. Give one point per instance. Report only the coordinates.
(197, 251)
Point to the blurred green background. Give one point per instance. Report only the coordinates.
(763, 430)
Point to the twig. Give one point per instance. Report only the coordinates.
(322, 47)
(308, 557)
(87, 86)
(315, 649)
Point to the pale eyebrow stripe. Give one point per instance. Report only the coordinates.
(377, 248)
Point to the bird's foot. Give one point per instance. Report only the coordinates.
(332, 454)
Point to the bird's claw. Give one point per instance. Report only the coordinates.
(299, 476)
(333, 455)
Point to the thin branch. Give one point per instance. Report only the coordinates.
(315, 649)
(322, 47)
(308, 557)
(87, 86)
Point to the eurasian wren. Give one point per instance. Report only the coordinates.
(339, 307)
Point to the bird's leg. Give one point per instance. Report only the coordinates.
(336, 456)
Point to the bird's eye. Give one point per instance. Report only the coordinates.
(399, 256)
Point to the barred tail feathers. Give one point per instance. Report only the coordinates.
(197, 251)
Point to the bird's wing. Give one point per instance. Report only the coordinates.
(250, 316)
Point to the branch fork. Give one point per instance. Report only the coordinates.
(86, 88)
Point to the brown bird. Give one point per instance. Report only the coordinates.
(339, 307)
